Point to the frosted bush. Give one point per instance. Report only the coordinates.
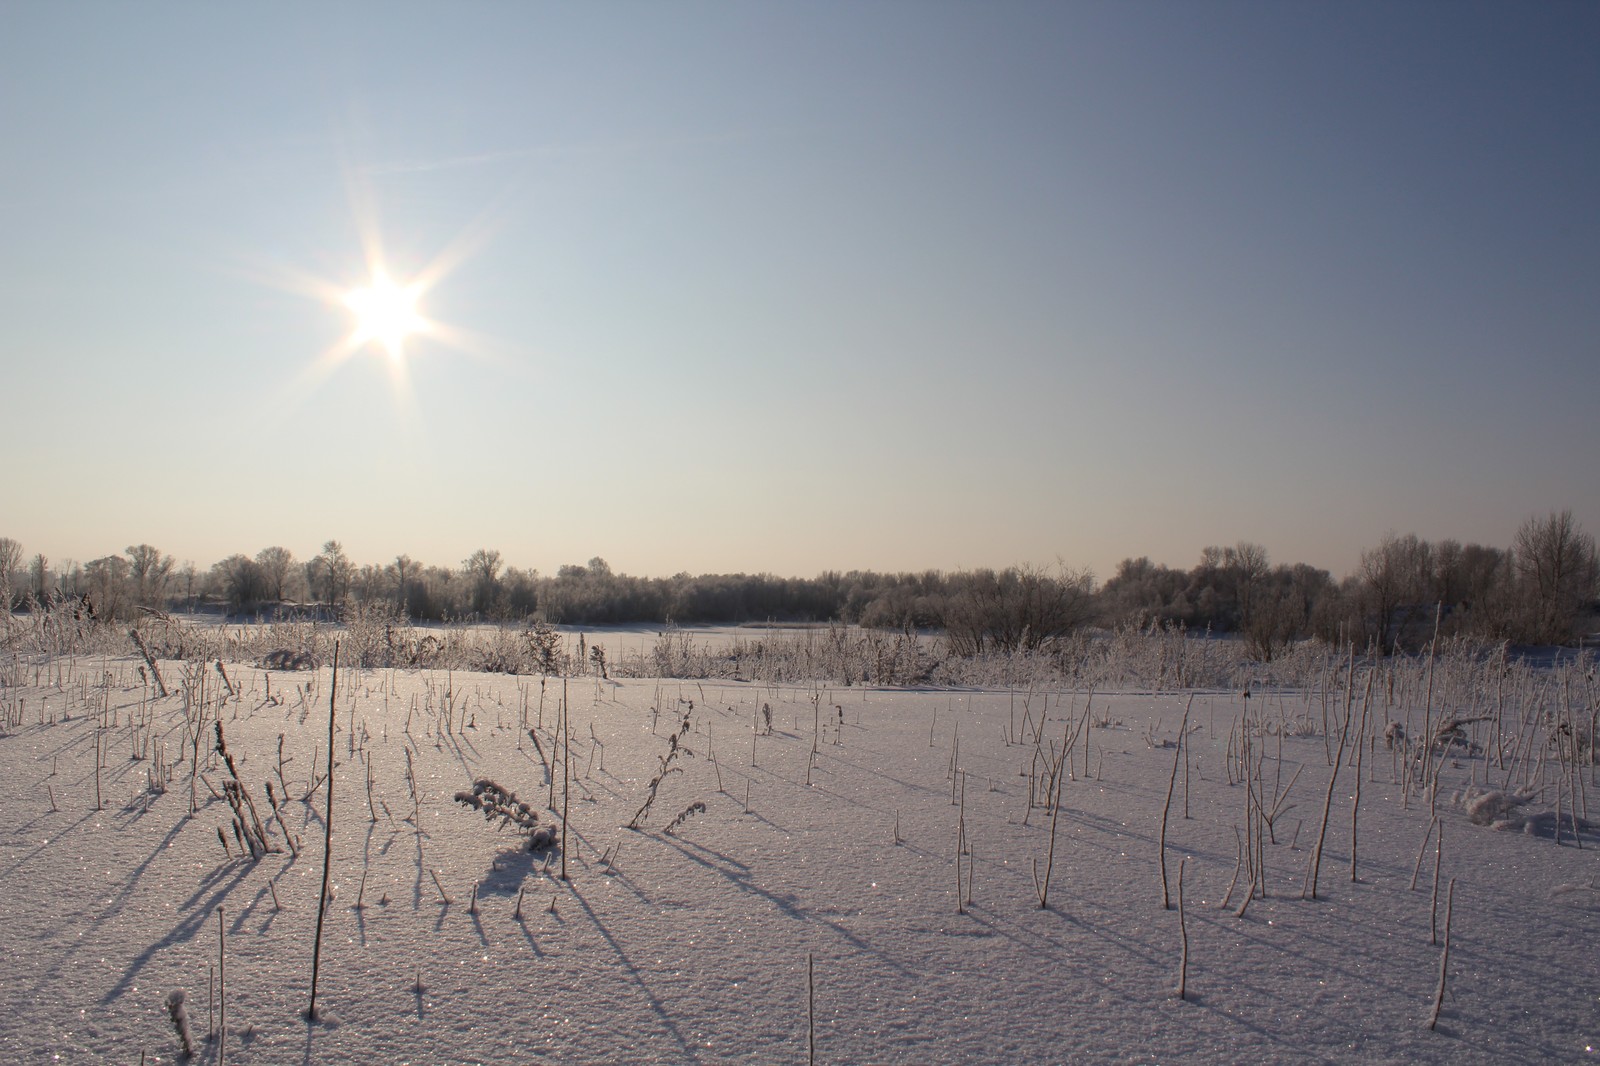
(1496, 808)
(497, 802)
(180, 1020)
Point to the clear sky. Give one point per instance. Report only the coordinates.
(794, 287)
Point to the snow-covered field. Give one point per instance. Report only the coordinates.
(829, 842)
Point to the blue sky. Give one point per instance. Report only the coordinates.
(800, 287)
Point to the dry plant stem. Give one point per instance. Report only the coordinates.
(1422, 851)
(1427, 708)
(1433, 917)
(1183, 935)
(222, 989)
(1309, 891)
(1050, 853)
(277, 812)
(961, 843)
(1083, 729)
(1238, 865)
(1166, 809)
(1355, 803)
(811, 1010)
(1249, 852)
(1444, 957)
(566, 780)
(1184, 741)
(567, 786)
(150, 661)
(327, 842)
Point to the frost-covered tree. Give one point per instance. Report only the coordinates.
(106, 584)
(482, 569)
(405, 571)
(1397, 578)
(148, 571)
(276, 564)
(10, 559)
(39, 577)
(1560, 574)
(1017, 609)
(240, 580)
(330, 574)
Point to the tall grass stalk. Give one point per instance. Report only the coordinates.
(327, 842)
(1166, 808)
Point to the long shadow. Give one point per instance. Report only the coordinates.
(786, 905)
(522, 923)
(456, 747)
(477, 925)
(54, 838)
(416, 884)
(507, 872)
(181, 933)
(115, 905)
(877, 771)
(272, 915)
(687, 1049)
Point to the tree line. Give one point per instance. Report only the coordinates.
(1541, 589)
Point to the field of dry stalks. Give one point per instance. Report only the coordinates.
(1362, 860)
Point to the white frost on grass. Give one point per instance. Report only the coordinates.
(1494, 808)
(694, 948)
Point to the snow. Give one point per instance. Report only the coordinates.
(693, 946)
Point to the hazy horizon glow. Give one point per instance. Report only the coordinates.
(788, 289)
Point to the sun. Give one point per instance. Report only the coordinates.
(388, 318)
(386, 314)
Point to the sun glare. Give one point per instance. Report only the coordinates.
(386, 314)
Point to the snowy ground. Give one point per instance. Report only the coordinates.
(693, 946)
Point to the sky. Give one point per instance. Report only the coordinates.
(788, 288)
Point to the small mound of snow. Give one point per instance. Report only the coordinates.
(1583, 897)
(1494, 807)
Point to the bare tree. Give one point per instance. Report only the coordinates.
(405, 571)
(10, 557)
(242, 581)
(1017, 609)
(148, 570)
(1283, 602)
(331, 573)
(1557, 564)
(106, 585)
(276, 564)
(1487, 580)
(189, 576)
(39, 577)
(483, 568)
(1250, 565)
(1398, 579)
